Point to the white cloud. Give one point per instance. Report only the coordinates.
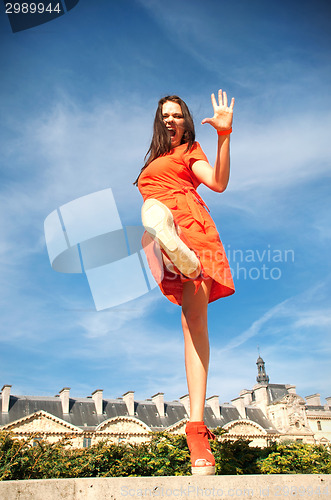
(117, 318)
(314, 318)
(290, 319)
(294, 341)
(70, 149)
(268, 159)
(282, 112)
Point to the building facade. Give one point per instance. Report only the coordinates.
(266, 413)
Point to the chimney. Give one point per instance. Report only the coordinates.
(314, 400)
(261, 397)
(97, 397)
(214, 403)
(64, 395)
(291, 389)
(185, 400)
(247, 396)
(5, 397)
(158, 400)
(128, 398)
(239, 403)
(328, 401)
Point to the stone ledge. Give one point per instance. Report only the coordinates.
(280, 486)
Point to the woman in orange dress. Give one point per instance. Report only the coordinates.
(194, 269)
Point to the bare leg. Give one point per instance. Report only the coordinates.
(195, 329)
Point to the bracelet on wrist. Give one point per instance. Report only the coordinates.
(224, 132)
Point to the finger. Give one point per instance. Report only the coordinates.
(225, 99)
(206, 120)
(220, 97)
(213, 101)
(232, 103)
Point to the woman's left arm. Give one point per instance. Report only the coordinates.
(217, 178)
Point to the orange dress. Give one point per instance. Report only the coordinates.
(170, 179)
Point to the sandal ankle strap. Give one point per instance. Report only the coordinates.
(199, 428)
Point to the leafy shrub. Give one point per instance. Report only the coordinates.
(164, 455)
(296, 458)
(235, 457)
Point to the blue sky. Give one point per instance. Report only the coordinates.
(77, 100)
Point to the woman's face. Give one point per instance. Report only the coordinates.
(173, 119)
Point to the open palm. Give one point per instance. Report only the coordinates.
(223, 114)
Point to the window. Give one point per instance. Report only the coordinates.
(319, 426)
(87, 442)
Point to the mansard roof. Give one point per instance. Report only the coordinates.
(91, 412)
(276, 392)
(22, 406)
(228, 413)
(147, 412)
(315, 407)
(256, 415)
(83, 414)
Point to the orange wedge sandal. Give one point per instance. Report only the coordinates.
(159, 223)
(202, 459)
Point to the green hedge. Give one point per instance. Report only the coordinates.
(164, 455)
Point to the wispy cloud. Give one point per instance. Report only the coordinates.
(282, 113)
(284, 334)
(131, 339)
(255, 328)
(291, 318)
(114, 320)
(271, 159)
(71, 148)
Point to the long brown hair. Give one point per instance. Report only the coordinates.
(161, 142)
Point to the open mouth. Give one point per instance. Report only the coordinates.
(172, 132)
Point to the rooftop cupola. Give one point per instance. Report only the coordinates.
(262, 377)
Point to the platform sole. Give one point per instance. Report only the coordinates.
(204, 470)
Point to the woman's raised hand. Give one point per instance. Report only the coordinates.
(223, 114)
